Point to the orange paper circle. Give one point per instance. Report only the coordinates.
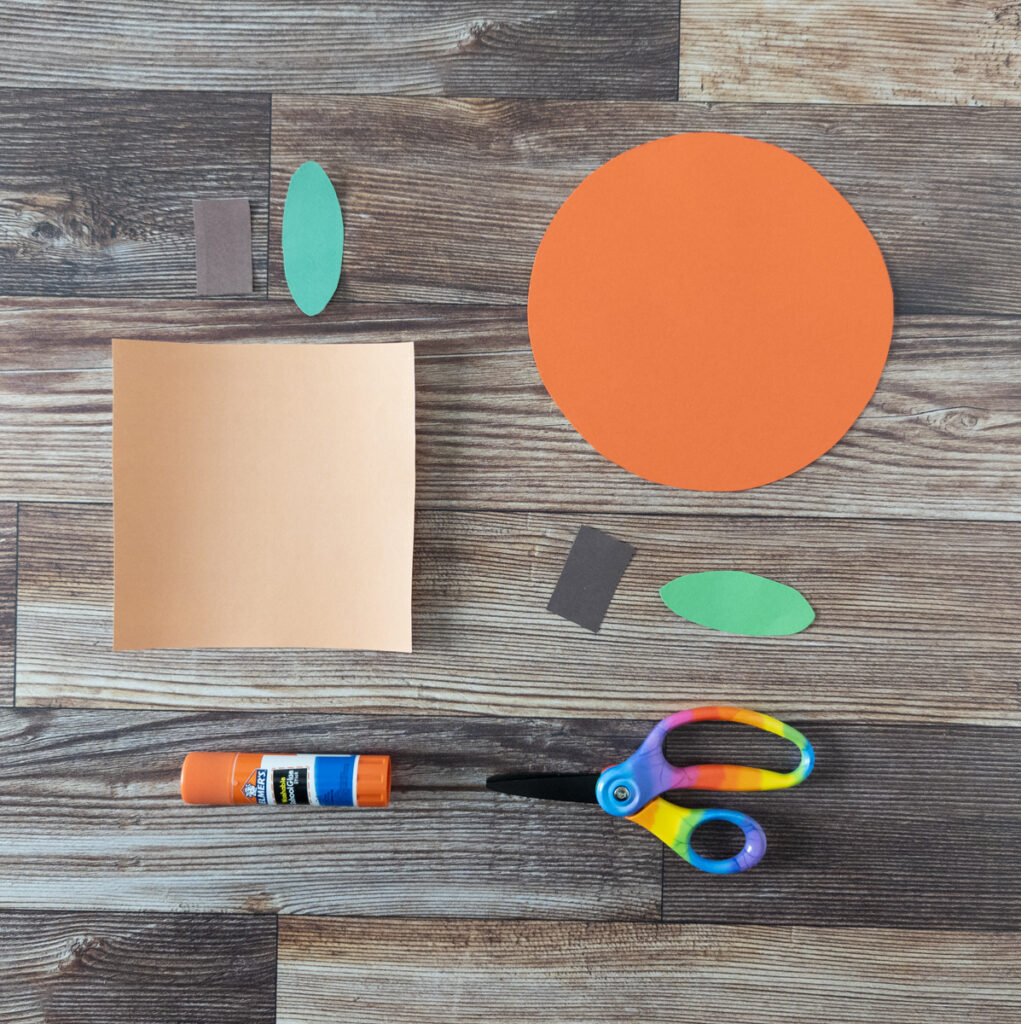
(709, 312)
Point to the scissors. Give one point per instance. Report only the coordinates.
(632, 788)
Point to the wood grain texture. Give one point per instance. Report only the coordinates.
(8, 593)
(98, 186)
(938, 441)
(568, 48)
(447, 200)
(92, 819)
(897, 826)
(897, 636)
(856, 845)
(960, 52)
(427, 971)
(109, 968)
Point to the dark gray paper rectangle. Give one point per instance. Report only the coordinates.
(223, 247)
(589, 578)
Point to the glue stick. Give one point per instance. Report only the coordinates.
(336, 780)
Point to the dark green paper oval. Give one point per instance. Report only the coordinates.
(312, 238)
(738, 602)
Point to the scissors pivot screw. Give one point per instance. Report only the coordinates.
(622, 793)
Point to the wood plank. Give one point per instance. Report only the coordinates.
(92, 819)
(569, 48)
(447, 200)
(140, 969)
(852, 51)
(897, 826)
(453, 971)
(850, 840)
(8, 596)
(98, 186)
(915, 621)
(938, 441)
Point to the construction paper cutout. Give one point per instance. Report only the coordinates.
(312, 238)
(589, 578)
(263, 495)
(738, 602)
(709, 312)
(223, 247)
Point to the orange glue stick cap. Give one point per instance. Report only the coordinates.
(207, 777)
(373, 782)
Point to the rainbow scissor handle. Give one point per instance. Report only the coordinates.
(632, 788)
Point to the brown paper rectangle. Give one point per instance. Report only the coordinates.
(589, 579)
(263, 495)
(223, 247)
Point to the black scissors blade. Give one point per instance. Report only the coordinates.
(576, 788)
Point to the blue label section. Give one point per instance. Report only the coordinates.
(335, 780)
(260, 786)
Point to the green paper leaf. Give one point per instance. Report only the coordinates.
(738, 602)
(312, 238)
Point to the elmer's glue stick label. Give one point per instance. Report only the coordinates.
(335, 780)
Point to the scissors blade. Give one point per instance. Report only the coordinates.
(577, 788)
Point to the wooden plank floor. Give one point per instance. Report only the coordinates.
(858, 846)
(98, 186)
(478, 181)
(933, 640)
(96, 968)
(569, 49)
(446, 847)
(453, 132)
(8, 598)
(852, 51)
(937, 441)
(589, 974)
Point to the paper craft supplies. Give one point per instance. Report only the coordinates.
(589, 578)
(263, 495)
(223, 247)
